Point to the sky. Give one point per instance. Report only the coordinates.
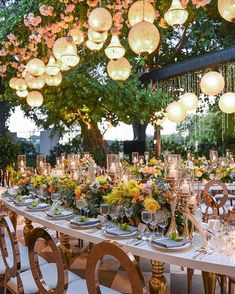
(25, 127)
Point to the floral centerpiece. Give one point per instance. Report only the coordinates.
(152, 169)
(93, 192)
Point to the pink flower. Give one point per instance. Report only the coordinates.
(70, 8)
(200, 3)
(11, 37)
(46, 10)
(184, 3)
(3, 69)
(3, 52)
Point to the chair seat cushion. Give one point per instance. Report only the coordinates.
(81, 285)
(49, 273)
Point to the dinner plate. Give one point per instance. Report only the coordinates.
(83, 226)
(183, 247)
(23, 203)
(40, 207)
(126, 236)
(63, 215)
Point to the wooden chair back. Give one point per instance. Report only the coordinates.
(62, 271)
(126, 259)
(211, 202)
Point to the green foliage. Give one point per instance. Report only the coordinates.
(9, 150)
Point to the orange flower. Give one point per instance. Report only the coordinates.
(137, 198)
(51, 189)
(25, 181)
(105, 186)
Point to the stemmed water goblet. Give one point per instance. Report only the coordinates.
(146, 218)
(128, 211)
(105, 210)
(114, 213)
(154, 223)
(162, 220)
(80, 205)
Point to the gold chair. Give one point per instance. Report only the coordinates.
(126, 259)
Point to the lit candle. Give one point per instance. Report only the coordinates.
(113, 168)
(172, 173)
(193, 200)
(141, 161)
(41, 164)
(135, 160)
(21, 163)
(213, 158)
(184, 188)
(190, 164)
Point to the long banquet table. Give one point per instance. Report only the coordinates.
(214, 263)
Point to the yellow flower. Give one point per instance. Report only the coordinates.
(198, 173)
(151, 204)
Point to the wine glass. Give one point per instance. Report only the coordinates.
(146, 218)
(154, 224)
(121, 212)
(54, 199)
(128, 211)
(114, 213)
(162, 220)
(104, 210)
(80, 205)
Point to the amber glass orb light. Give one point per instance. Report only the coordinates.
(34, 99)
(36, 67)
(12, 83)
(20, 84)
(212, 83)
(22, 94)
(119, 70)
(115, 50)
(176, 14)
(227, 9)
(97, 37)
(35, 83)
(93, 46)
(77, 35)
(100, 19)
(176, 112)
(52, 68)
(141, 11)
(53, 80)
(189, 101)
(227, 103)
(144, 38)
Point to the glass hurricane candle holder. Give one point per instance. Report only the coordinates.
(213, 157)
(21, 163)
(223, 161)
(146, 156)
(141, 159)
(135, 157)
(172, 166)
(41, 161)
(113, 164)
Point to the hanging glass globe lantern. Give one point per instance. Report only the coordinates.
(34, 99)
(144, 38)
(93, 46)
(20, 84)
(35, 83)
(97, 37)
(12, 82)
(100, 19)
(212, 83)
(53, 80)
(69, 57)
(227, 9)
(36, 67)
(189, 101)
(176, 14)
(115, 50)
(22, 94)
(176, 112)
(141, 11)
(227, 103)
(52, 68)
(61, 45)
(119, 70)
(77, 35)
(63, 67)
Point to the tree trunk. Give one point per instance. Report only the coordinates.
(139, 130)
(4, 114)
(157, 141)
(93, 142)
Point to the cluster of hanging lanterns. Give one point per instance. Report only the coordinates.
(143, 38)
